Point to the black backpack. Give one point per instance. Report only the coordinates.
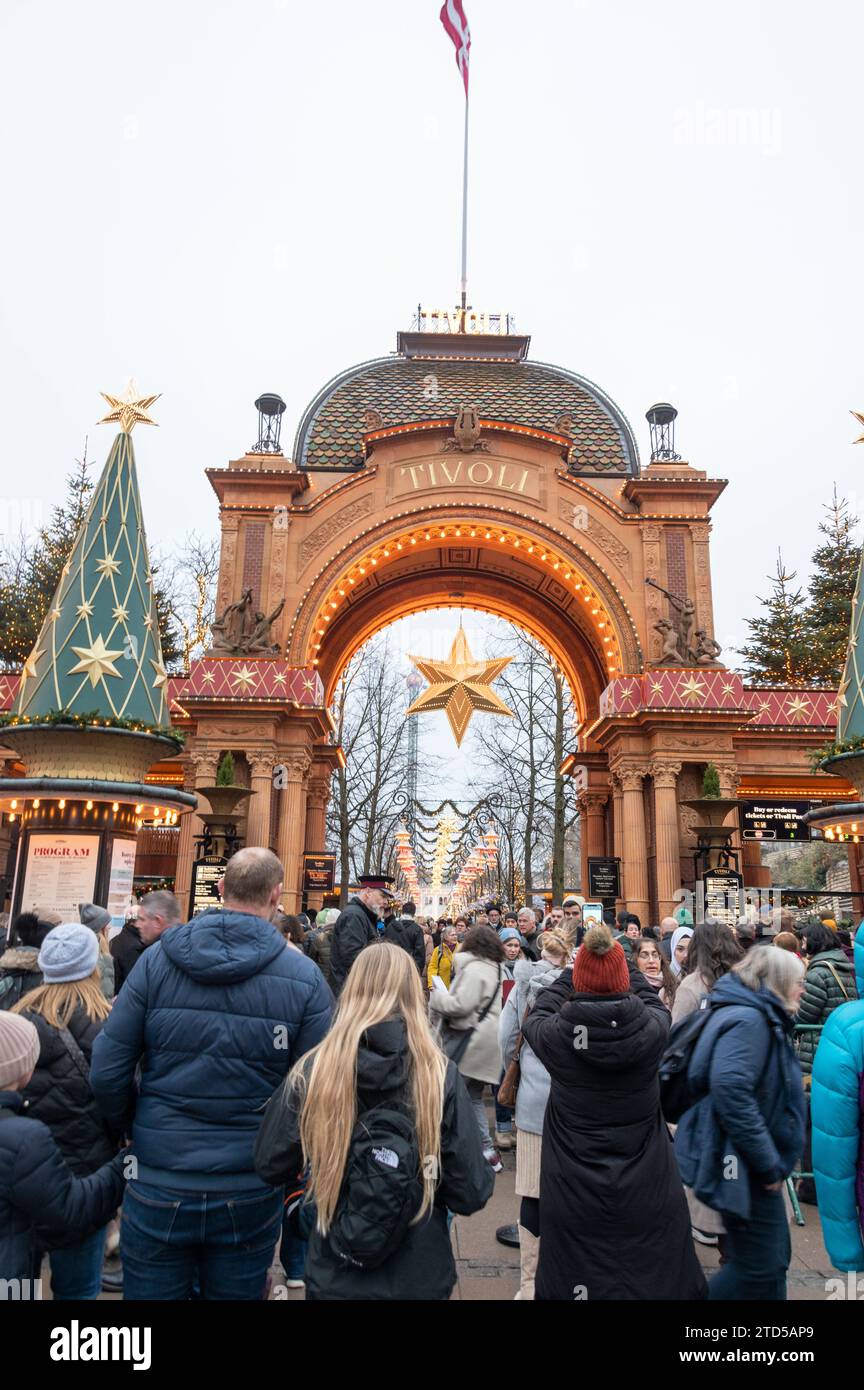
(676, 1093)
(382, 1189)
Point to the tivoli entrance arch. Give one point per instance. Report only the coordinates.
(459, 471)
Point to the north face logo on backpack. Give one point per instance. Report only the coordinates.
(387, 1157)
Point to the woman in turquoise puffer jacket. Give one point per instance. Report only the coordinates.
(838, 1124)
(859, 960)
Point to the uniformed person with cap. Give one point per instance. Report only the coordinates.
(360, 924)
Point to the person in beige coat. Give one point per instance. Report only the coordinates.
(473, 1004)
(713, 952)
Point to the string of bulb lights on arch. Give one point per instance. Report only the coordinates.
(551, 556)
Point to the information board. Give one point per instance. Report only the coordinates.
(774, 820)
(722, 889)
(120, 880)
(604, 879)
(319, 873)
(206, 874)
(60, 873)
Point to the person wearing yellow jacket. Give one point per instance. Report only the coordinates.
(441, 960)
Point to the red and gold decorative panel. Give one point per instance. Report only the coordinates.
(225, 678)
(245, 678)
(698, 688)
(793, 708)
(674, 687)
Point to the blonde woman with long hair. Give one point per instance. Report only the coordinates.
(379, 1065)
(68, 1010)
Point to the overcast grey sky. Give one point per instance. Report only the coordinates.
(222, 198)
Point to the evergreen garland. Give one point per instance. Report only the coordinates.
(92, 720)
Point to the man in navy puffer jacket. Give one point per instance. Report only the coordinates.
(215, 1014)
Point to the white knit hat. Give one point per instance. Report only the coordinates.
(69, 952)
(19, 1048)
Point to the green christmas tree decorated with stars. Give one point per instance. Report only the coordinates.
(850, 696)
(98, 653)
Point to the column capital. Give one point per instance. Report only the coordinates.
(261, 761)
(665, 772)
(592, 802)
(318, 786)
(729, 777)
(204, 764)
(631, 775)
(293, 764)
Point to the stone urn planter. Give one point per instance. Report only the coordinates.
(712, 812)
(224, 802)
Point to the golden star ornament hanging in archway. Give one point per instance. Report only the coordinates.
(460, 685)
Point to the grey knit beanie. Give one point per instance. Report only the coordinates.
(93, 916)
(69, 952)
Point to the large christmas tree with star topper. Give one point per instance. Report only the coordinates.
(98, 652)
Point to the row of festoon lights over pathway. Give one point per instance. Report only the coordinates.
(480, 858)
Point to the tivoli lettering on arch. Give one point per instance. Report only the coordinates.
(474, 473)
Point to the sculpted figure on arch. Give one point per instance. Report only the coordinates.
(236, 624)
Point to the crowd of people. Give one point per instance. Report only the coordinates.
(205, 1092)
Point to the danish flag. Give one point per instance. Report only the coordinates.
(454, 21)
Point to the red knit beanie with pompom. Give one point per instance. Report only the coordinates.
(600, 966)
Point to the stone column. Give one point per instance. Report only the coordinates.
(261, 762)
(700, 533)
(635, 856)
(290, 787)
(617, 829)
(668, 849)
(276, 583)
(317, 795)
(199, 770)
(227, 561)
(592, 807)
(654, 600)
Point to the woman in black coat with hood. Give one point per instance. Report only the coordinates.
(68, 1010)
(614, 1222)
(383, 1122)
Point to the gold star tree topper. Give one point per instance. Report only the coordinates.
(130, 409)
(460, 686)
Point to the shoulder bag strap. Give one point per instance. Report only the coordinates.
(480, 1017)
(835, 972)
(75, 1052)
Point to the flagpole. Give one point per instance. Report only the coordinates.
(465, 217)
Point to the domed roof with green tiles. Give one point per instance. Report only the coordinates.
(410, 388)
(99, 651)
